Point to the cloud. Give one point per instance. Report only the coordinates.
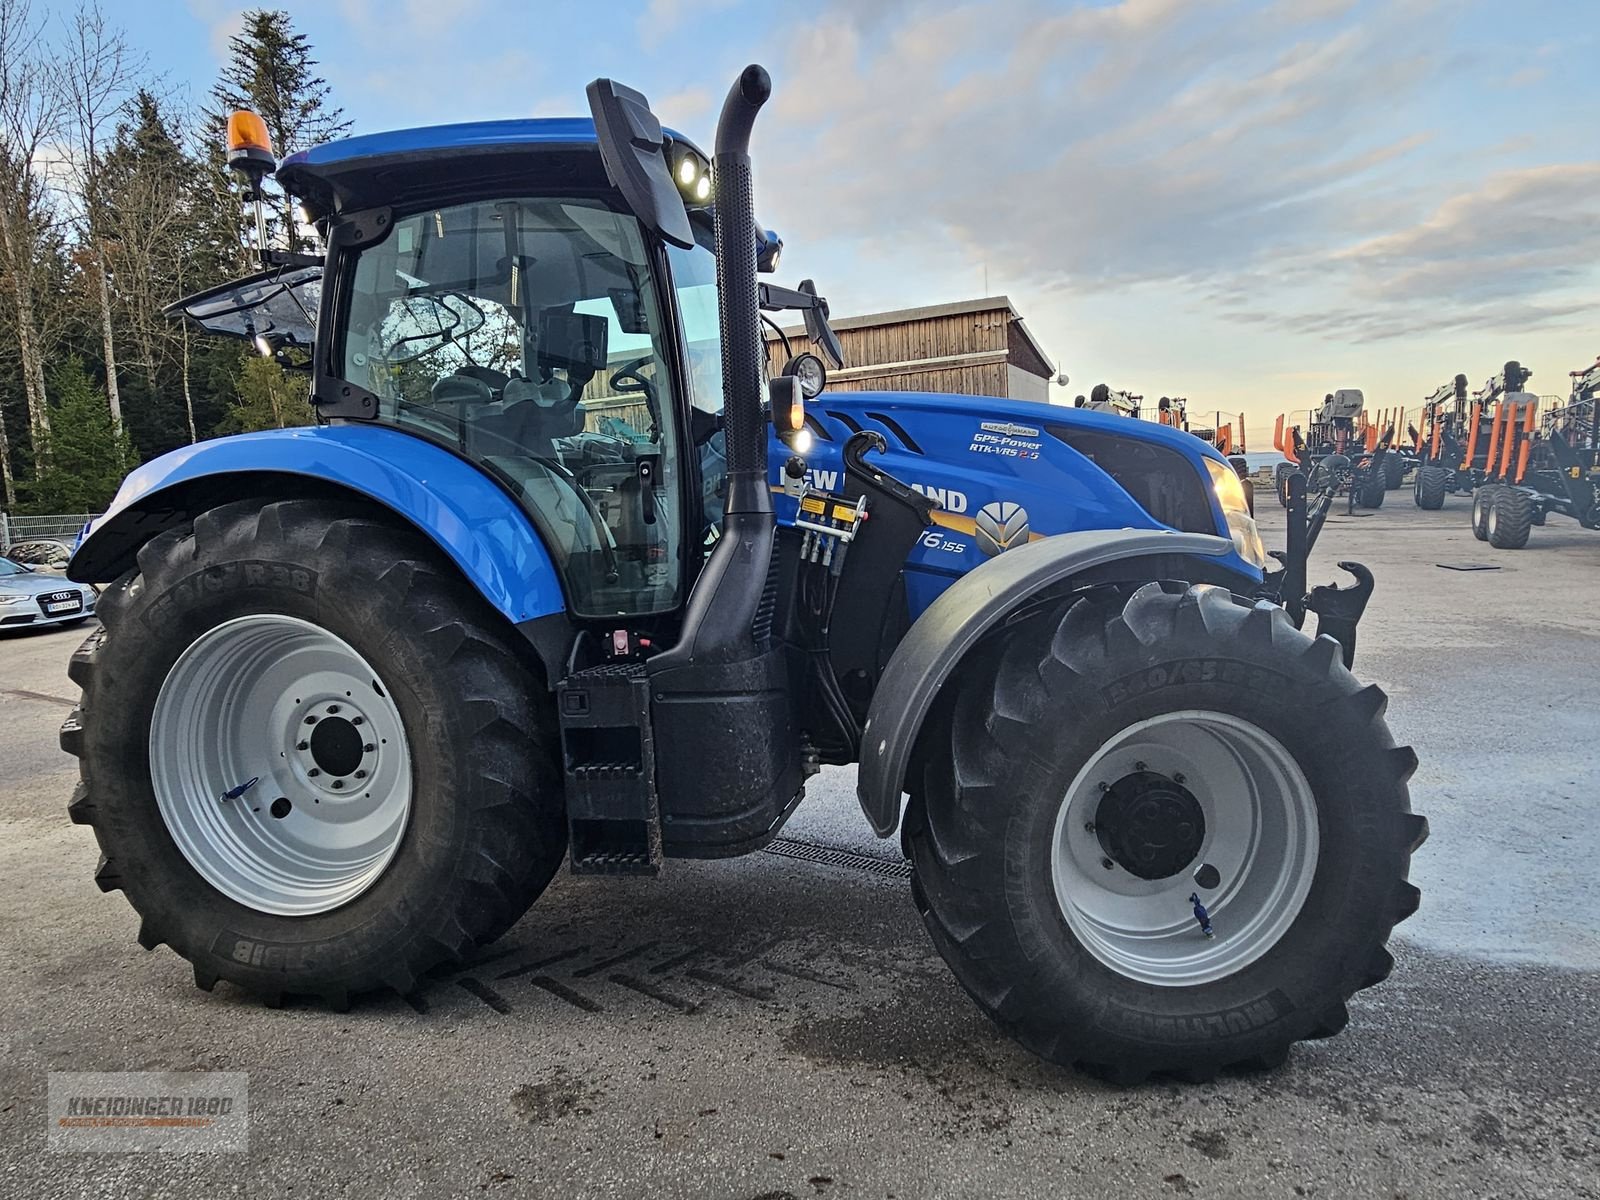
(223, 22)
(1251, 158)
(661, 18)
(684, 107)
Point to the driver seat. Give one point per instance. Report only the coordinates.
(526, 422)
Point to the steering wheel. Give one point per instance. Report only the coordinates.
(627, 380)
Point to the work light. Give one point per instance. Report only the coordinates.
(808, 369)
(692, 174)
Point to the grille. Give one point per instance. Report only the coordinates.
(832, 856)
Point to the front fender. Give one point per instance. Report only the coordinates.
(954, 623)
(463, 511)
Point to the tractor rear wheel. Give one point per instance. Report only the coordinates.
(1103, 774)
(1394, 471)
(314, 760)
(1429, 487)
(1510, 518)
(1372, 489)
(1482, 499)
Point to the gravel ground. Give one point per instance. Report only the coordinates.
(775, 1027)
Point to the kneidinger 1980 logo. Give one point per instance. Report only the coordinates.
(120, 1111)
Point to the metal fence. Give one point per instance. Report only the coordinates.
(62, 528)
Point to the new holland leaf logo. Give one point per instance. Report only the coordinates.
(1000, 525)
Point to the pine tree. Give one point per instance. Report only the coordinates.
(88, 454)
(270, 71)
(268, 399)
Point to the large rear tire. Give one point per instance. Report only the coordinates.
(1372, 490)
(1429, 487)
(406, 805)
(1201, 747)
(1394, 471)
(1509, 519)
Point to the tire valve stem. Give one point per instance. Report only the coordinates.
(1201, 915)
(236, 792)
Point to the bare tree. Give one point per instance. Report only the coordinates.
(30, 124)
(98, 73)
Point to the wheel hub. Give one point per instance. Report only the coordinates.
(1150, 825)
(336, 746)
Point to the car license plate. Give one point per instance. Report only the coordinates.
(61, 606)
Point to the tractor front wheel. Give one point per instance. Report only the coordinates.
(1165, 836)
(1394, 471)
(1371, 489)
(314, 760)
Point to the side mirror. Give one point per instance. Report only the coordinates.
(817, 327)
(633, 149)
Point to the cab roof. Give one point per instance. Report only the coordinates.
(356, 171)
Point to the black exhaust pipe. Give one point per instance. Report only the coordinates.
(740, 312)
(723, 622)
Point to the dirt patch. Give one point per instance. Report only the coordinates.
(562, 1095)
(1213, 1143)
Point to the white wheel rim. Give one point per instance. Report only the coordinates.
(1260, 837)
(282, 701)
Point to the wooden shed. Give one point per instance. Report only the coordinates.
(970, 347)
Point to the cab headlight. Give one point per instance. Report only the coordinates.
(1236, 511)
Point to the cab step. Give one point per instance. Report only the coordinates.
(608, 756)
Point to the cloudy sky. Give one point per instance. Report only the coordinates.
(1248, 203)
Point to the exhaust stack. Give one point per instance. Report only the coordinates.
(739, 307)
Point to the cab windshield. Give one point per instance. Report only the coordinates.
(526, 333)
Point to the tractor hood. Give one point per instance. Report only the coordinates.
(1005, 472)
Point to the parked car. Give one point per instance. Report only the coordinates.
(40, 552)
(32, 597)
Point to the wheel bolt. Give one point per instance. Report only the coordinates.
(1103, 786)
(361, 774)
(303, 746)
(313, 772)
(1108, 864)
(1088, 826)
(311, 720)
(332, 708)
(337, 784)
(1177, 777)
(368, 748)
(1138, 766)
(355, 720)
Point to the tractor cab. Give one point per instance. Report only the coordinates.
(549, 335)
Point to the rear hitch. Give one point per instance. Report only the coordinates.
(1339, 609)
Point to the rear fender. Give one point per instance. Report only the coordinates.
(954, 623)
(455, 505)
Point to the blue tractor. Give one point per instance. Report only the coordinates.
(560, 576)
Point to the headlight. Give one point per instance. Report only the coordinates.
(14, 597)
(1236, 511)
